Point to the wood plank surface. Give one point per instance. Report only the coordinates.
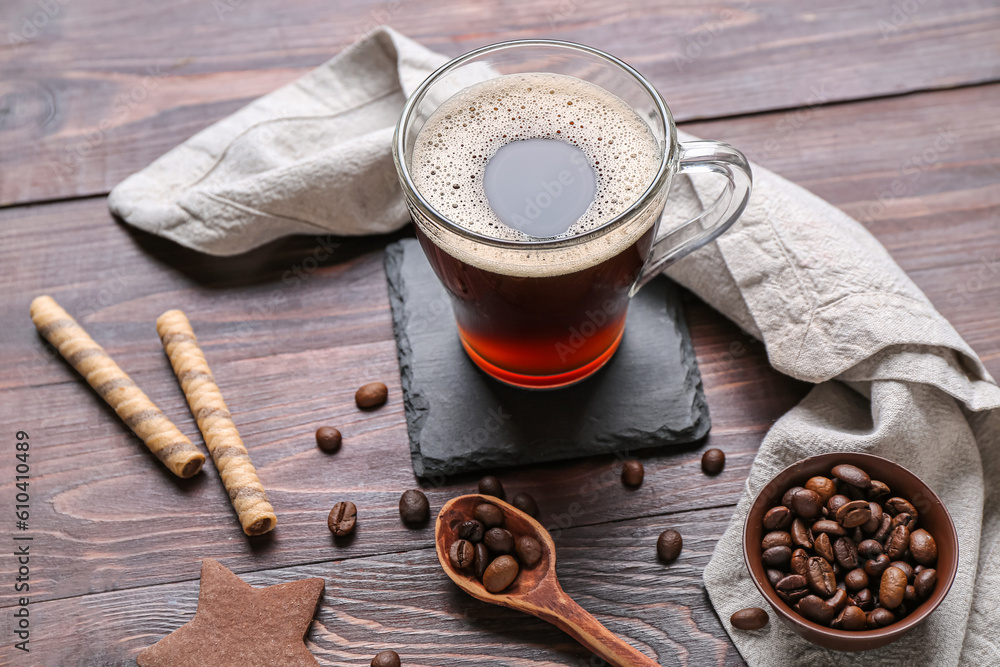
(94, 90)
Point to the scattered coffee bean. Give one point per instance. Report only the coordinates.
(824, 488)
(528, 550)
(500, 574)
(668, 545)
(843, 552)
(488, 515)
(342, 519)
(923, 547)
(491, 486)
(482, 560)
(462, 554)
(471, 530)
(386, 659)
(632, 473)
(713, 461)
(526, 503)
(853, 475)
(328, 439)
(414, 508)
(924, 583)
(371, 395)
(778, 518)
(499, 540)
(751, 618)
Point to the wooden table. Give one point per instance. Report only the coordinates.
(888, 110)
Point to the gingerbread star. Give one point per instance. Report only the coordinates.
(237, 625)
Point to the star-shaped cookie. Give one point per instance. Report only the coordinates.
(237, 625)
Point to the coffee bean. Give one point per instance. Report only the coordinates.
(924, 583)
(815, 609)
(632, 473)
(853, 513)
(853, 475)
(824, 488)
(851, 618)
(878, 490)
(776, 556)
(499, 540)
(792, 588)
(414, 508)
(882, 534)
(824, 547)
(880, 617)
(892, 587)
(919, 568)
(328, 439)
(819, 575)
(488, 515)
(713, 461)
(898, 543)
(491, 486)
(786, 499)
(500, 574)
(838, 600)
(774, 576)
(864, 599)
(776, 538)
(462, 554)
(855, 580)
(482, 560)
(801, 535)
(800, 562)
(386, 659)
(905, 567)
(806, 504)
(526, 503)
(751, 618)
(371, 395)
(778, 518)
(901, 506)
(829, 527)
(923, 547)
(836, 501)
(471, 530)
(875, 520)
(876, 566)
(668, 545)
(846, 553)
(910, 596)
(528, 550)
(342, 519)
(903, 519)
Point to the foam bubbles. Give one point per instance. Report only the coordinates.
(452, 150)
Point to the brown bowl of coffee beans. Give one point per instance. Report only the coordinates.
(850, 550)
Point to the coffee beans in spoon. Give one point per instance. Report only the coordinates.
(486, 549)
(844, 552)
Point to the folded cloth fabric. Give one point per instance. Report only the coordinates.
(832, 307)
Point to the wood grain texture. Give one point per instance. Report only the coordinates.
(102, 89)
(403, 601)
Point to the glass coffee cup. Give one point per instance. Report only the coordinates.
(538, 303)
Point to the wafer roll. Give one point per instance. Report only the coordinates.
(209, 409)
(116, 387)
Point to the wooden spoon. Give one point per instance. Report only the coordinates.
(536, 591)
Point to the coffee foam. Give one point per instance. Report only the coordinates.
(456, 143)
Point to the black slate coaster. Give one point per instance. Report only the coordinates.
(459, 419)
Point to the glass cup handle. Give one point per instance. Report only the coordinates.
(700, 157)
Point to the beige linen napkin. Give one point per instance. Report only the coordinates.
(893, 377)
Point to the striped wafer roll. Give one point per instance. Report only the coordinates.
(209, 409)
(116, 387)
